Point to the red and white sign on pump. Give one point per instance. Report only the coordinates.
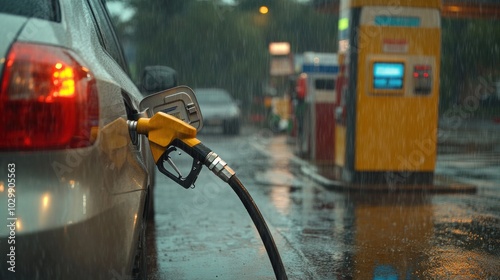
(395, 45)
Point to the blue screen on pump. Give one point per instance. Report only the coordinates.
(388, 75)
(397, 21)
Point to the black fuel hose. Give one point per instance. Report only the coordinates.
(260, 224)
(163, 131)
(220, 168)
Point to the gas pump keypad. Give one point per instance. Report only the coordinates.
(422, 78)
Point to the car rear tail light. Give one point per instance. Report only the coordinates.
(48, 100)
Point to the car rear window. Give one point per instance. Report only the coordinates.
(43, 9)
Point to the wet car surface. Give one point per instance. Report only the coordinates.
(73, 186)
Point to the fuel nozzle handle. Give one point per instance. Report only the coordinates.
(207, 157)
(164, 131)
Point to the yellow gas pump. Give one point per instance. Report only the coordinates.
(391, 55)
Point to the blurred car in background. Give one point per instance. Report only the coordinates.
(75, 185)
(219, 109)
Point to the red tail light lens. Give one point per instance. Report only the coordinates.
(48, 100)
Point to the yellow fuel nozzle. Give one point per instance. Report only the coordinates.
(162, 129)
(166, 132)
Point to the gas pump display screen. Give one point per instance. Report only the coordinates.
(388, 75)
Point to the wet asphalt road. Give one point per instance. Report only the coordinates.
(205, 232)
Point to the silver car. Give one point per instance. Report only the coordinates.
(219, 109)
(73, 182)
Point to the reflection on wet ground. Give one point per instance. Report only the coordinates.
(403, 235)
(391, 234)
(323, 234)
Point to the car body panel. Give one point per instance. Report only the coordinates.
(79, 211)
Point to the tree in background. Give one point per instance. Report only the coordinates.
(300, 24)
(212, 44)
(470, 59)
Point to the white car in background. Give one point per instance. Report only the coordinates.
(219, 109)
